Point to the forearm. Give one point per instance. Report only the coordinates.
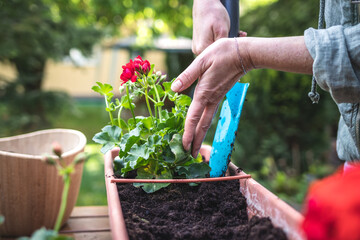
(287, 54)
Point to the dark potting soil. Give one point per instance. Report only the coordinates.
(213, 210)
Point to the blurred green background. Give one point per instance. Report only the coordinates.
(283, 140)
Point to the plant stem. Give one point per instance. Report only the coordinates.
(119, 119)
(150, 98)
(158, 100)
(110, 113)
(147, 103)
(131, 109)
(66, 179)
(155, 112)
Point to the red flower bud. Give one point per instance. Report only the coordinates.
(57, 149)
(138, 62)
(145, 66)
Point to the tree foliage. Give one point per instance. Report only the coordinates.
(32, 32)
(146, 17)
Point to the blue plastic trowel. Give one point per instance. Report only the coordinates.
(230, 111)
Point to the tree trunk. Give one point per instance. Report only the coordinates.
(31, 100)
(30, 72)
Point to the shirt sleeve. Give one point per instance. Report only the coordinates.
(336, 54)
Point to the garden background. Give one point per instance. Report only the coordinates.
(53, 51)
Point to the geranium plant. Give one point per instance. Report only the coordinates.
(151, 145)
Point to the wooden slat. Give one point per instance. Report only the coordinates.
(88, 222)
(91, 236)
(86, 211)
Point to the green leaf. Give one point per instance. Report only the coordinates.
(159, 104)
(45, 234)
(195, 170)
(141, 151)
(151, 70)
(167, 87)
(165, 114)
(129, 139)
(147, 122)
(109, 137)
(103, 89)
(148, 173)
(168, 155)
(153, 142)
(182, 101)
(124, 125)
(177, 148)
(171, 122)
(125, 102)
(159, 89)
(111, 108)
(118, 163)
(134, 159)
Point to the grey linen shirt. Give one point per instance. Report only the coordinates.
(336, 54)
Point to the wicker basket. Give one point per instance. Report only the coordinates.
(30, 190)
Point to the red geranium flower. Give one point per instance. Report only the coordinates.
(128, 73)
(332, 209)
(131, 68)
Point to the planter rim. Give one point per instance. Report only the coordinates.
(77, 148)
(187, 180)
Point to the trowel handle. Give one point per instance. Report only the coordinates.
(232, 7)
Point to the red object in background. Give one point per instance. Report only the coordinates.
(332, 208)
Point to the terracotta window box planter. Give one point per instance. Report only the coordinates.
(260, 202)
(30, 189)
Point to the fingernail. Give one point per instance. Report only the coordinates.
(177, 85)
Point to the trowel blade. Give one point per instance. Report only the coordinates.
(226, 129)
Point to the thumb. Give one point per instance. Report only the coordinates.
(187, 77)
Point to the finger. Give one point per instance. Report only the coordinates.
(192, 119)
(242, 34)
(187, 77)
(202, 41)
(202, 128)
(220, 32)
(198, 48)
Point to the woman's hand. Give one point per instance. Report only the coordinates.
(220, 65)
(218, 68)
(210, 23)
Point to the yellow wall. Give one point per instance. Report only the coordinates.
(77, 81)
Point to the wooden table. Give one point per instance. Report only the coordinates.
(89, 222)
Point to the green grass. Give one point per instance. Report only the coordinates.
(88, 117)
(92, 189)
